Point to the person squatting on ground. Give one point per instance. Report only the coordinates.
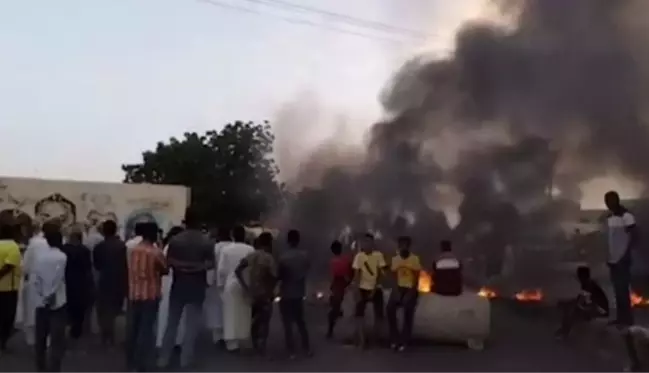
(10, 276)
(293, 268)
(369, 266)
(591, 303)
(341, 276)
(262, 276)
(146, 266)
(405, 267)
(48, 276)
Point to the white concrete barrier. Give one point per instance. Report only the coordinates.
(465, 318)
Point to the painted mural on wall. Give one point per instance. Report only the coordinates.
(145, 215)
(27, 202)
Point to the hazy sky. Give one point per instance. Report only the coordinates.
(88, 84)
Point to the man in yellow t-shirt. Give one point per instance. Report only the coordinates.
(406, 267)
(9, 282)
(369, 265)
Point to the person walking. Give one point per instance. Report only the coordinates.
(293, 269)
(109, 259)
(146, 266)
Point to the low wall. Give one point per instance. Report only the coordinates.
(28, 201)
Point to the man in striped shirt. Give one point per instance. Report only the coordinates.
(146, 266)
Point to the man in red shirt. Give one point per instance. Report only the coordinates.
(146, 265)
(341, 275)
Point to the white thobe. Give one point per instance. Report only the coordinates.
(213, 306)
(237, 312)
(29, 298)
(163, 310)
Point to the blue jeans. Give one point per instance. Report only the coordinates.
(141, 319)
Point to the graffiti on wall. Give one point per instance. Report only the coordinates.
(56, 207)
(86, 208)
(100, 208)
(143, 215)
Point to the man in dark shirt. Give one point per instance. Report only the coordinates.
(589, 304)
(262, 276)
(79, 282)
(190, 255)
(293, 269)
(109, 258)
(447, 272)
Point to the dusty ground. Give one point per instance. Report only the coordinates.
(521, 341)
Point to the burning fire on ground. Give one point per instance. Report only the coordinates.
(535, 295)
(638, 300)
(487, 293)
(425, 284)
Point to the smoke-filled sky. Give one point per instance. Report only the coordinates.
(105, 79)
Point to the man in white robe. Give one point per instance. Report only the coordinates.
(29, 297)
(163, 309)
(213, 306)
(237, 312)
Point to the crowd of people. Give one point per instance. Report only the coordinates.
(173, 287)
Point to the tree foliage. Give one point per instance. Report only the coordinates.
(231, 172)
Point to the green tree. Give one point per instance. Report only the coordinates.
(231, 172)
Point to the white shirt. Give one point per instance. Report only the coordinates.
(92, 238)
(211, 274)
(231, 256)
(618, 236)
(130, 244)
(48, 277)
(35, 244)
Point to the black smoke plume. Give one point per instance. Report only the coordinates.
(535, 107)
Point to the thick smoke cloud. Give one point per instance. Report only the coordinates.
(537, 107)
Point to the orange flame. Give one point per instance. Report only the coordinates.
(535, 295)
(487, 293)
(425, 284)
(638, 300)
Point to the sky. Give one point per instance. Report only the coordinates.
(89, 84)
